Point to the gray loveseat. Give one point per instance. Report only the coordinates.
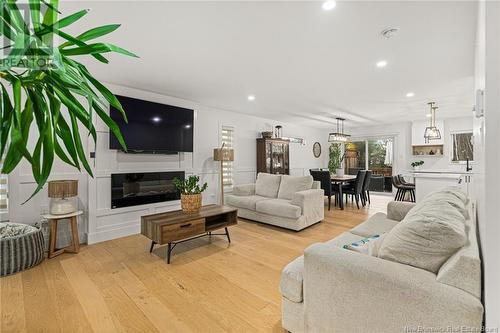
(333, 289)
(286, 201)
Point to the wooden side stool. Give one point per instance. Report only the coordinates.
(75, 241)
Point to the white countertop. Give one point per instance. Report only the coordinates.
(438, 172)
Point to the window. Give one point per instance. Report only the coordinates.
(227, 134)
(4, 201)
(462, 147)
(375, 154)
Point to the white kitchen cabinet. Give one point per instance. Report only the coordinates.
(430, 181)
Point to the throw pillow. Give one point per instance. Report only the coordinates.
(291, 184)
(427, 236)
(267, 185)
(451, 195)
(370, 245)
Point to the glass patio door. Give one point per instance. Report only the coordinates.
(374, 154)
(380, 156)
(354, 157)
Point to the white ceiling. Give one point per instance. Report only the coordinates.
(304, 65)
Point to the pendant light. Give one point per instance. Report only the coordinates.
(431, 131)
(339, 135)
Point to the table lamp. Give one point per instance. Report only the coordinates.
(63, 196)
(223, 155)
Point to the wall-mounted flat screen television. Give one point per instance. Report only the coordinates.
(153, 127)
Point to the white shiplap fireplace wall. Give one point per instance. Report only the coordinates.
(100, 222)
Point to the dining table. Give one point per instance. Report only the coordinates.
(341, 180)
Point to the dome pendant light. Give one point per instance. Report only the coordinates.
(431, 131)
(339, 135)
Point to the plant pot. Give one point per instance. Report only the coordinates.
(416, 168)
(339, 172)
(191, 203)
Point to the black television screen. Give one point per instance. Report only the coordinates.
(153, 127)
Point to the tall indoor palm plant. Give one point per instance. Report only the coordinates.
(47, 87)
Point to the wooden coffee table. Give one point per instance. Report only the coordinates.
(176, 227)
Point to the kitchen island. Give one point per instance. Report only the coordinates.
(427, 181)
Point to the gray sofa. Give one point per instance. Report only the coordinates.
(333, 289)
(285, 201)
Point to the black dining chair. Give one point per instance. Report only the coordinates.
(356, 188)
(326, 184)
(365, 196)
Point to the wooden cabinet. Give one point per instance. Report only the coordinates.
(273, 156)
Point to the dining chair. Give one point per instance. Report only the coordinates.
(356, 188)
(326, 184)
(366, 187)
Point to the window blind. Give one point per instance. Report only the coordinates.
(4, 201)
(227, 166)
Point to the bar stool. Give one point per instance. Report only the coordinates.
(403, 189)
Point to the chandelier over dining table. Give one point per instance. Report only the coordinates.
(339, 135)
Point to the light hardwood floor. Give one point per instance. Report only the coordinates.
(118, 286)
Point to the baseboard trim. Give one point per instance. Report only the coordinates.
(101, 236)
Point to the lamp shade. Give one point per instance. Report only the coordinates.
(223, 154)
(432, 133)
(63, 188)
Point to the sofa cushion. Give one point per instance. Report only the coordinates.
(247, 202)
(343, 239)
(292, 279)
(452, 195)
(267, 185)
(463, 269)
(279, 207)
(291, 184)
(370, 245)
(429, 234)
(375, 225)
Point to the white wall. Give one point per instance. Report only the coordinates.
(402, 145)
(21, 186)
(103, 223)
(451, 125)
(487, 136)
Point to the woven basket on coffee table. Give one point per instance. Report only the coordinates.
(190, 203)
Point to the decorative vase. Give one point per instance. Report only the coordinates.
(191, 203)
(267, 134)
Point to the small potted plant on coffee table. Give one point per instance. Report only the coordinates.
(190, 190)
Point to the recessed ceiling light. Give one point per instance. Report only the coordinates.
(187, 126)
(156, 119)
(410, 94)
(329, 5)
(381, 63)
(251, 98)
(428, 115)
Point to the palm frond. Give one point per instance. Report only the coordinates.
(46, 84)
